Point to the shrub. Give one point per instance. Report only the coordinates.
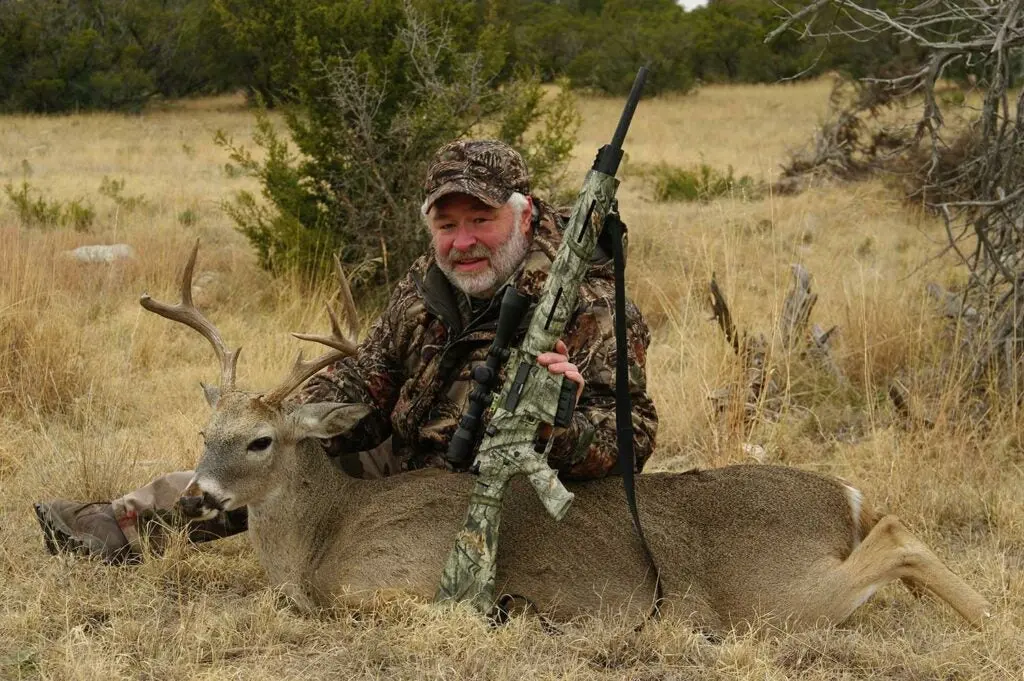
(630, 34)
(672, 183)
(48, 214)
(79, 215)
(365, 128)
(114, 190)
(64, 55)
(188, 218)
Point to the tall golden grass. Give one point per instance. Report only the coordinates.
(97, 397)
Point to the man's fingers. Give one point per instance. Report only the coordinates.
(577, 378)
(558, 362)
(564, 367)
(548, 358)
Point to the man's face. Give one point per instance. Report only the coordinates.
(478, 247)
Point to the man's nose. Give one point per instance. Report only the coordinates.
(464, 238)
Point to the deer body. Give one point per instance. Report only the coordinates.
(732, 544)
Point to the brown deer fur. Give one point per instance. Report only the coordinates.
(732, 543)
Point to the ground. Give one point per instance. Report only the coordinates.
(97, 396)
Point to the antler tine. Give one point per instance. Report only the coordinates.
(188, 314)
(348, 303)
(341, 344)
(300, 371)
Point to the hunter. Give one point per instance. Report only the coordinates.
(414, 367)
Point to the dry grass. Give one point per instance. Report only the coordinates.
(96, 397)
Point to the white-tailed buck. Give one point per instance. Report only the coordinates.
(732, 543)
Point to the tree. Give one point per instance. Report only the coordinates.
(366, 122)
(58, 55)
(972, 175)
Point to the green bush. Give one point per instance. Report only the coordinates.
(704, 183)
(62, 55)
(114, 190)
(79, 215)
(188, 217)
(629, 34)
(48, 214)
(65, 55)
(366, 124)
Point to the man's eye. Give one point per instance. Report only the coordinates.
(259, 444)
(479, 221)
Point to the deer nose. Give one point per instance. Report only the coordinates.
(191, 506)
(196, 503)
(200, 507)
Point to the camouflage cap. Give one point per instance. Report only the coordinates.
(490, 170)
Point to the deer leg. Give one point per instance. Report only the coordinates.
(692, 610)
(890, 552)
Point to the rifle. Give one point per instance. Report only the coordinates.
(532, 402)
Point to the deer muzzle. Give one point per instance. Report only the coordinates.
(199, 504)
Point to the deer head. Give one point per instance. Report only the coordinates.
(251, 435)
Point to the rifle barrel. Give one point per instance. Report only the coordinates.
(610, 155)
(627, 114)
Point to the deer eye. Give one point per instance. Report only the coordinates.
(259, 444)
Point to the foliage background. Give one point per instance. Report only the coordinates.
(71, 55)
(369, 89)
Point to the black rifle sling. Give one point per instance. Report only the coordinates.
(623, 401)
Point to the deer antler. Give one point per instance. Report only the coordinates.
(187, 313)
(342, 344)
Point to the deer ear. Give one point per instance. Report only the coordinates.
(211, 392)
(324, 420)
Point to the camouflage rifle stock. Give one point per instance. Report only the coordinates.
(518, 439)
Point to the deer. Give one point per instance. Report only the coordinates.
(733, 545)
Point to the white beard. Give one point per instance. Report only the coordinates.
(502, 262)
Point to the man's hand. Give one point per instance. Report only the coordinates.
(558, 363)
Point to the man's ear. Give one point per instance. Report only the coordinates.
(212, 393)
(526, 224)
(324, 420)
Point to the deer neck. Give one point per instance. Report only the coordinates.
(295, 522)
(306, 481)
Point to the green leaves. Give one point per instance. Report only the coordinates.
(365, 122)
(60, 55)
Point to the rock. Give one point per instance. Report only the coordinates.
(205, 288)
(101, 253)
(755, 452)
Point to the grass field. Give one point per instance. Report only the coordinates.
(97, 397)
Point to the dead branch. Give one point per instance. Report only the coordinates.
(796, 311)
(971, 175)
(761, 391)
(720, 310)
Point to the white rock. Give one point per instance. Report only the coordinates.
(755, 452)
(101, 253)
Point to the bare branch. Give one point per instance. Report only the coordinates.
(971, 175)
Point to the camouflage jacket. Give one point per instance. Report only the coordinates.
(414, 367)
